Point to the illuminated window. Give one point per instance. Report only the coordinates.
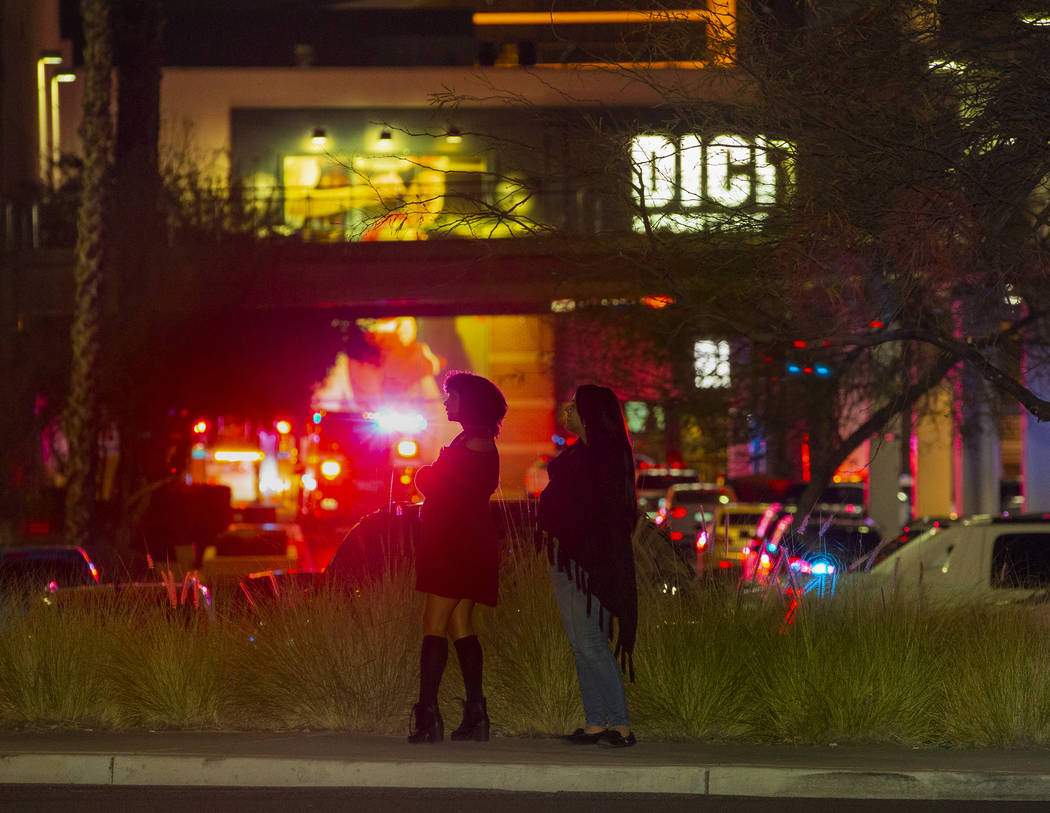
(711, 364)
(398, 197)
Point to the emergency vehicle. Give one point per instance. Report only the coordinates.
(257, 460)
(357, 462)
(332, 468)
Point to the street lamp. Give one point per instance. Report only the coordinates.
(62, 77)
(46, 58)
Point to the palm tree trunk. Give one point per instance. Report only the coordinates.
(82, 412)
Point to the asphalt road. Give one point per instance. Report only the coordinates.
(110, 799)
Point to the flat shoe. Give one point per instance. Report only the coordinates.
(614, 739)
(581, 737)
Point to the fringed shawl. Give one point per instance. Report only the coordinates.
(581, 509)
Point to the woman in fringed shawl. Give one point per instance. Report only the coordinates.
(587, 514)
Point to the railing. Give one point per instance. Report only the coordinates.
(218, 214)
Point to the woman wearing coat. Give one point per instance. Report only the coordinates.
(458, 555)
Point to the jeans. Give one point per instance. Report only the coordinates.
(601, 685)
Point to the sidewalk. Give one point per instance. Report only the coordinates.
(546, 765)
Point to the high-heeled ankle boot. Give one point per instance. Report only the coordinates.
(427, 725)
(475, 725)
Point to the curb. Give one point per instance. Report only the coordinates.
(205, 771)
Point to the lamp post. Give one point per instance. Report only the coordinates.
(46, 58)
(62, 77)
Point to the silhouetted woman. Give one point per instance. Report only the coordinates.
(587, 513)
(458, 554)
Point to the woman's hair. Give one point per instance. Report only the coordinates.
(606, 429)
(480, 401)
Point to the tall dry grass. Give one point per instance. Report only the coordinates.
(709, 666)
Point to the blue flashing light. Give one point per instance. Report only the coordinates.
(821, 370)
(793, 369)
(823, 569)
(771, 547)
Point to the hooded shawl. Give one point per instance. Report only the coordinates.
(582, 509)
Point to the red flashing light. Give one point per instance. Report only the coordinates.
(676, 536)
(876, 324)
(798, 343)
(678, 512)
(724, 564)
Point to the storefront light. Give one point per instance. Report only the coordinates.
(384, 141)
(319, 139)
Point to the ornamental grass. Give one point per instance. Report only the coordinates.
(712, 663)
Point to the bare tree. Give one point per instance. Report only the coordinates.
(908, 251)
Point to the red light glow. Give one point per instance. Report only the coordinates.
(200, 427)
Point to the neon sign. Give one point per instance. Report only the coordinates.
(690, 183)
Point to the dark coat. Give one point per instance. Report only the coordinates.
(458, 555)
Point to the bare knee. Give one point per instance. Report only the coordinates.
(436, 613)
(460, 623)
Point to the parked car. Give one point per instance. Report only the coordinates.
(65, 575)
(386, 537)
(44, 566)
(688, 509)
(652, 484)
(246, 547)
(983, 558)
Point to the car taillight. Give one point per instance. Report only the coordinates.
(331, 469)
(678, 512)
